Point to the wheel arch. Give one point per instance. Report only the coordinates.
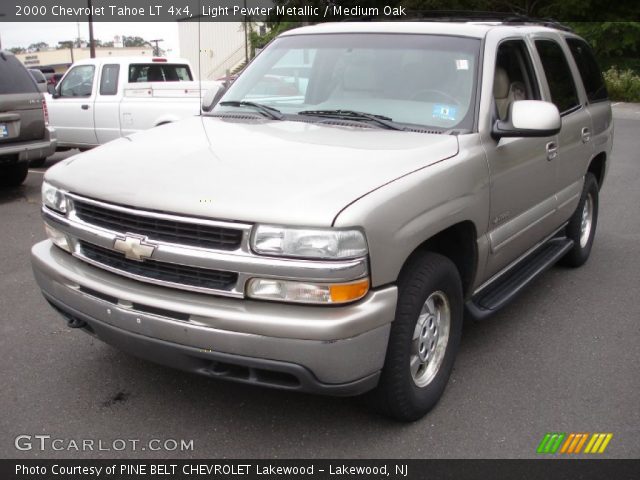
(598, 167)
(457, 243)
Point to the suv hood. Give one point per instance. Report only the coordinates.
(249, 170)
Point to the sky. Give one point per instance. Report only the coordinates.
(23, 34)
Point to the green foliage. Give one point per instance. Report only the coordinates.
(36, 47)
(134, 42)
(260, 41)
(623, 85)
(611, 39)
(16, 50)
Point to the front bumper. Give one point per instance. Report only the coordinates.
(335, 350)
(32, 150)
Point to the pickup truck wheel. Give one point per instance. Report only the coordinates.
(13, 175)
(582, 225)
(37, 162)
(424, 338)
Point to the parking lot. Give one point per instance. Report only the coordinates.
(564, 357)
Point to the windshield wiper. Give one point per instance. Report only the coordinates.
(380, 120)
(270, 112)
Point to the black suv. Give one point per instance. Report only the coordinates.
(25, 134)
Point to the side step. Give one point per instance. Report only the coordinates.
(497, 294)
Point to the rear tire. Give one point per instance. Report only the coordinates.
(582, 225)
(13, 175)
(37, 162)
(424, 338)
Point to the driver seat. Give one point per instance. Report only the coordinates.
(506, 92)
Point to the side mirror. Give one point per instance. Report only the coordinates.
(56, 91)
(212, 97)
(529, 118)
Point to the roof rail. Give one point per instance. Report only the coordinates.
(506, 18)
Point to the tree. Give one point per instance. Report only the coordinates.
(66, 44)
(16, 50)
(134, 42)
(36, 47)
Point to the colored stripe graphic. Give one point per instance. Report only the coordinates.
(572, 443)
(598, 442)
(551, 442)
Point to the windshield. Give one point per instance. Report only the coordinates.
(425, 80)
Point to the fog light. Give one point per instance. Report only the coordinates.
(306, 292)
(57, 237)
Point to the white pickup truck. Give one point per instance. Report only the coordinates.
(102, 99)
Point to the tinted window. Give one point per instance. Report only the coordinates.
(37, 75)
(109, 80)
(514, 79)
(78, 82)
(559, 77)
(589, 70)
(14, 78)
(158, 72)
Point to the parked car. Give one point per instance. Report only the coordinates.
(39, 78)
(52, 81)
(24, 131)
(331, 241)
(101, 99)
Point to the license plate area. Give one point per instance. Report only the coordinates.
(9, 126)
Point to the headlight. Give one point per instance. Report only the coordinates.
(308, 242)
(54, 198)
(306, 292)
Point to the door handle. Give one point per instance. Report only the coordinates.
(586, 135)
(85, 107)
(552, 151)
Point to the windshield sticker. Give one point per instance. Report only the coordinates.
(444, 112)
(462, 64)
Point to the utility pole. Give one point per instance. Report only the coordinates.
(92, 43)
(246, 43)
(156, 49)
(69, 45)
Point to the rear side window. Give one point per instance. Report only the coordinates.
(589, 70)
(158, 72)
(559, 77)
(109, 80)
(14, 78)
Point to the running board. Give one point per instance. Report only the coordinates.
(496, 295)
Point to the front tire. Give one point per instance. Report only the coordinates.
(582, 225)
(424, 338)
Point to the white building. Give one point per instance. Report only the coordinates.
(212, 47)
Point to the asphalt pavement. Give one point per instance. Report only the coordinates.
(564, 357)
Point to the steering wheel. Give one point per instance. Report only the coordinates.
(420, 94)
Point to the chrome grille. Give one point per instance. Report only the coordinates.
(183, 276)
(159, 229)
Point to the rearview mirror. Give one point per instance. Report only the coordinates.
(529, 118)
(212, 97)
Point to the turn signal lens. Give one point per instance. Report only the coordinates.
(347, 292)
(304, 292)
(57, 237)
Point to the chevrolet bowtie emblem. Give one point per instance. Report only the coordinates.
(134, 247)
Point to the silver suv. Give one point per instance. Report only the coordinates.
(329, 219)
